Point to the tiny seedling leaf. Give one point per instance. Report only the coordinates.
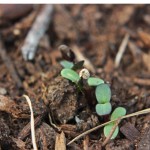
(118, 112)
(70, 75)
(108, 128)
(103, 93)
(94, 81)
(66, 64)
(78, 65)
(103, 109)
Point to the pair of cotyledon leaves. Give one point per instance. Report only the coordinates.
(103, 95)
(118, 112)
(102, 92)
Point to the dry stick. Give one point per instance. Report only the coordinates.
(36, 32)
(80, 57)
(32, 123)
(6, 59)
(144, 82)
(145, 111)
(135, 50)
(121, 50)
(111, 133)
(139, 81)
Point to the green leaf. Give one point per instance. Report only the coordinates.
(108, 128)
(70, 75)
(94, 81)
(103, 93)
(118, 112)
(103, 109)
(66, 64)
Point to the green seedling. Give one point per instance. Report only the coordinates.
(103, 109)
(118, 112)
(66, 64)
(78, 65)
(71, 65)
(94, 81)
(70, 75)
(103, 93)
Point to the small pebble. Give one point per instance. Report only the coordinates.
(3, 91)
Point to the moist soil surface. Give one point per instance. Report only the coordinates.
(97, 32)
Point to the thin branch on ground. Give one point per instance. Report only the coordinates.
(36, 32)
(111, 133)
(139, 81)
(121, 50)
(32, 123)
(144, 82)
(145, 111)
(9, 64)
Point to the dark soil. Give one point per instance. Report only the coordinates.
(97, 32)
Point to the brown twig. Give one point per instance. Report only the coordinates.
(9, 64)
(36, 32)
(121, 50)
(144, 82)
(139, 81)
(136, 51)
(111, 133)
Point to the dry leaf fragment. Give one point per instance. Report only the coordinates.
(60, 143)
(20, 144)
(9, 106)
(145, 37)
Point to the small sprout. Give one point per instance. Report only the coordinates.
(66, 64)
(103, 93)
(94, 81)
(103, 109)
(108, 128)
(84, 73)
(78, 65)
(118, 112)
(67, 53)
(70, 75)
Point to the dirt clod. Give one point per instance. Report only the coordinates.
(62, 97)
